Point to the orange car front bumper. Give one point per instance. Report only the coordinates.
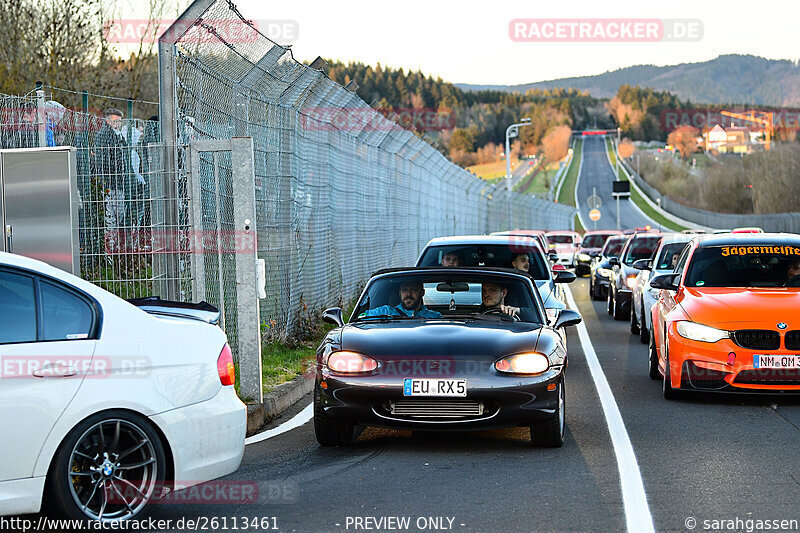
(724, 366)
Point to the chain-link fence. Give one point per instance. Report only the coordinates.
(341, 190)
(124, 238)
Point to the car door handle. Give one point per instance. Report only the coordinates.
(51, 371)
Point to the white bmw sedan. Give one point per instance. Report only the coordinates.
(103, 405)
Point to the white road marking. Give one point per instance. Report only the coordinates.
(637, 512)
(295, 422)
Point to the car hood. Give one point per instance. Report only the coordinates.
(726, 307)
(459, 339)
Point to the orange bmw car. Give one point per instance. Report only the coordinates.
(728, 318)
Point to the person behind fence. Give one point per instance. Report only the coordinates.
(150, 160)
(411, 293)
(134, 198)
(111, 165)
(23, 132)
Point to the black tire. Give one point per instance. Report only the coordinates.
(617, 311)
(653, 360)
(666, 384)
(644, 332)
(328, 431)
(609, 301)
(598, 292)
(123, 441)
(634, 322)
(550, 433)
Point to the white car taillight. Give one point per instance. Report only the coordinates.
(225, 368)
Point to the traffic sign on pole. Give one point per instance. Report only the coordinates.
(595, 214)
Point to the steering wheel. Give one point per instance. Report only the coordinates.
(498, 311)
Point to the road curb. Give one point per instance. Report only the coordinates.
(278, 400)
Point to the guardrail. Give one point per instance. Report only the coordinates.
(778, 222)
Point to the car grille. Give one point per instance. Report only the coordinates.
(435, 408)
(757, 339)
(792, 340)
(769, 376)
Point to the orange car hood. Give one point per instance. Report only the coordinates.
(724, 307)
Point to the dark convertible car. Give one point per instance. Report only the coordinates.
(441, 349)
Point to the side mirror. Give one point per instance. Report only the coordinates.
(552, 256)
(642, 264)
(564, 276)
(613, 261)
(665, 281)
(333, 316)
(568, 317)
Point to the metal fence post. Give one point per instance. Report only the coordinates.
(41, 116)
(244, 215)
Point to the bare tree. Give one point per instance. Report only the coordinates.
(684, 139)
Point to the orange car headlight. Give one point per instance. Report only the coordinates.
(700, 332)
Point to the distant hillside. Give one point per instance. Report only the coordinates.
(739, 79)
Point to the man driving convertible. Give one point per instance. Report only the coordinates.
(492, 297)
(411, 293)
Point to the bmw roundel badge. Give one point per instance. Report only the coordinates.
(782, 325)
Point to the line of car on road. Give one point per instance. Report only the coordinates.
(717, 311)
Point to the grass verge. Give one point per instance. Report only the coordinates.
(637, 198)
(283, 361)
(567, 194)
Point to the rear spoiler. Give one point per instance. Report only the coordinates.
(203, 311)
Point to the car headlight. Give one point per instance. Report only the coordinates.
(631, 282)
(523, 363)
(699, 332)
(345, 362)
(584, 257)
(605, 272)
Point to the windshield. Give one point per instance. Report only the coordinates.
(669, 256)
(443, 296)
(596, 240)
(770, 265)
(560, 239)
(613, 246)
(641, 248)
(493, 255)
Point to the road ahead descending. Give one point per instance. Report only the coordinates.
(597, 174)
(701, 459)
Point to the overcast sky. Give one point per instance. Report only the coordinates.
(468, 41)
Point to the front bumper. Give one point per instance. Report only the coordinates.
(704, 366)
(507, 401)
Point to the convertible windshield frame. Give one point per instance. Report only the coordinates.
(471, 275)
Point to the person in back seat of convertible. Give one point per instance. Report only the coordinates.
(411, 293)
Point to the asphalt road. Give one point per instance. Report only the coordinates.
(597, 174)
(703, 458)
